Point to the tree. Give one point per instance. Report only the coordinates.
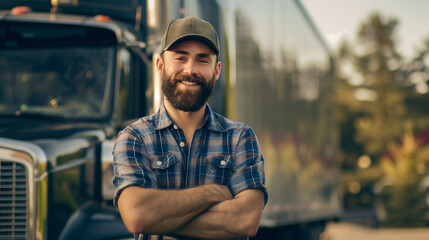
(415, 79)
(379, 94)
(380, 97)
(371, 102)
(404, 167)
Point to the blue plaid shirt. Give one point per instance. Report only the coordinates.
(153, 153)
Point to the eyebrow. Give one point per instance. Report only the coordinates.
(201, 55)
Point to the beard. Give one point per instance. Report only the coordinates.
(188, 100)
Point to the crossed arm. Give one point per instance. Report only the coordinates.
(207, 211)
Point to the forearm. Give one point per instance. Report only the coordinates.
(163, 211)
(229, 219)
(213, 224)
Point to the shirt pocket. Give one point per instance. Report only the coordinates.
(219, 169)
(168, 171)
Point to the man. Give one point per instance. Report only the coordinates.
(186, 172)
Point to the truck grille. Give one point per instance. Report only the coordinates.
(13, 200)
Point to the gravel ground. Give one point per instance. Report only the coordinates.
(349, 231)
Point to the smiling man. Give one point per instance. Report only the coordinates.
(187, 172)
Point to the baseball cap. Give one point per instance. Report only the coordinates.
(190, 28)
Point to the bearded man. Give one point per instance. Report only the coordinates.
(187, 172)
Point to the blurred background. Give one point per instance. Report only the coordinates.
(380, 59)
(382, 72)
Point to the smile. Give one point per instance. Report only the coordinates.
(189, 83)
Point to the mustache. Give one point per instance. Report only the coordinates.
(189, 78)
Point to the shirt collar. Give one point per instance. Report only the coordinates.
(211, 121)
(164, 121)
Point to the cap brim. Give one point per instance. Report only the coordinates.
(195, 37)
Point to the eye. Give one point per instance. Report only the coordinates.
(203, 60)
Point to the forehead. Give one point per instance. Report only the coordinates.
(191, 47)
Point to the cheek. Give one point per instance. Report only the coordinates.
(169, 72)
(211, 75)
(173, 67)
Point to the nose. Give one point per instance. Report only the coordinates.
(190, 68)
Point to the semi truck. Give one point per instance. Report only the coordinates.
(73, 73)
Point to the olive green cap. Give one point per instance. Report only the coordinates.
(190, 28)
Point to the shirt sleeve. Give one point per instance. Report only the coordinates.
(248, 170)
(131, 165)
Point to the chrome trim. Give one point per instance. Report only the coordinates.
(107, 187)
(29, 204)
(30, 156)
(34, 151)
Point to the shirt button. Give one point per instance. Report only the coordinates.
(182, 144)
(223, 162)
(175, 127)
(159, 163)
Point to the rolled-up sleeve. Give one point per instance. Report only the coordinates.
(131, 163)
(248, 171)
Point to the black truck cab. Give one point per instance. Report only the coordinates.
(68, 83)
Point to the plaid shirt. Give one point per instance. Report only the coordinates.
(153, 153)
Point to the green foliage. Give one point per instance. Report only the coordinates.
(377, 101)
(405, 167)
(378, 92)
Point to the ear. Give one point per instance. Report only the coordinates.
(217, 70)
(159, 65)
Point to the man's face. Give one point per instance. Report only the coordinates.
(189, 71)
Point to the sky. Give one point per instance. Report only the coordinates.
(338, 19)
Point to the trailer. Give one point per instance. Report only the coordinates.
(75, 72)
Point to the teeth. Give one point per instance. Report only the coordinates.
(189, 83)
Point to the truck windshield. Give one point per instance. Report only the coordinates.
(69, 82)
